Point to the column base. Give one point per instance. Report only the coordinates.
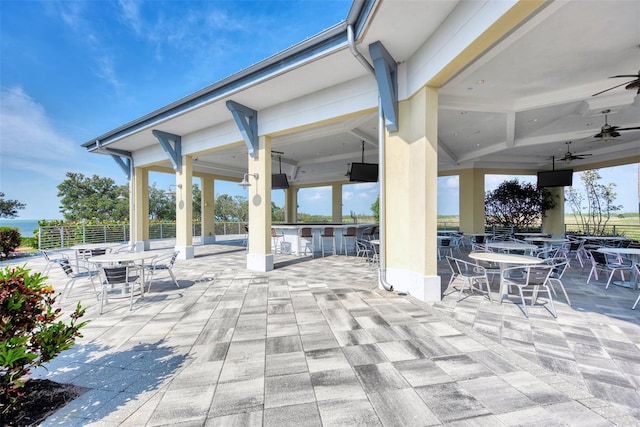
(186, 252)
(260, 262)
(425, 288)
(208, 240)
(142, 245)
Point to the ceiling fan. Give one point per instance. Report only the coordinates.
(607, 131)
(630, 85)
(568, 156)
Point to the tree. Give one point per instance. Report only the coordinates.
(516, 204)
(95, 198)
(375, 208)
(161, 206)
(599, 200)
(9, 208)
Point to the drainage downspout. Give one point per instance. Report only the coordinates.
(382, 271)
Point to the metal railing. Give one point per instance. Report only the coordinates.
(60, 237)
(65, 236)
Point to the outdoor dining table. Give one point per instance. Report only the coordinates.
(634, 254)
(504, 261)
(547, 241)
(511, 246)
(126, 257)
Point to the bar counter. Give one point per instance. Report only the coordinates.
(291, 231)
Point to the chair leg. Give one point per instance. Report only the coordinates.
(636, 303)
(553, 308)
(524, 304)
(174, 278)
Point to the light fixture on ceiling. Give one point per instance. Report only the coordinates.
(245, 180)
(169, 192)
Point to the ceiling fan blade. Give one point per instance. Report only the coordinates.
(633, 128)
(626, 75)
(611, 88)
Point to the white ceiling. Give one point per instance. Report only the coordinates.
(515, 107)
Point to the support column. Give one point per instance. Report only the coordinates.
(184, 209)
(411, 165)
(260, 257)
(139, 209)
(291, 204)
(336, 202)
(207, 206)
(471, 204)
(553, 222)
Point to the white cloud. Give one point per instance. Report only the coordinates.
(29, 138)
(347, 195)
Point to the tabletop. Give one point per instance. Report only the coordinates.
(622, 251)
(505, 258)
(122, 257)
(546, 239)
(511, 246)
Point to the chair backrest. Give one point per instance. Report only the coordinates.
(115, 275)
(66, 267)
(45, 255)
(246, 228)
(173, 258)
(598, 258)
(538, 274)
(559, 265)
(351, 232)
(445, 242)
(98, 251)
(306, 232)
(274, 233)
(327, 232)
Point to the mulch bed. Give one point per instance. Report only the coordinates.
(41, 398)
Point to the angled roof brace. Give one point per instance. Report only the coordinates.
(175, 152)
(247, 121)
(123, 159)
(387, 78)
(124, 163)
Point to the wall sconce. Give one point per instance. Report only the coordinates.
(172, 193)
(245, 180)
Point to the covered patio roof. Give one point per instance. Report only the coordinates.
(514, 107)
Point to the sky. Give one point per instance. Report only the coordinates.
(73, 70)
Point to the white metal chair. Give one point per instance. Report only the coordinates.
(560, 265)
(162, 263)
(602, 261)
(470, 274)
(75, 275)
(528, 278)
(120, 278)
(51, 261)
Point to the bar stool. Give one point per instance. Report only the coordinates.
(306, 241)
(277, 248)
(327, 233)
(351, 233)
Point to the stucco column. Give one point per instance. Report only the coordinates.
(291, 204)
(207, 209)
(184, 209)
(139, 209)
(336, 202)
(553, 222)
(260, 257)
(411, 174)
(471, 195)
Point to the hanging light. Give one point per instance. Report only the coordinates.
(245, 180)
(169, 192)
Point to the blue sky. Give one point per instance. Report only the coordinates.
(72, 70)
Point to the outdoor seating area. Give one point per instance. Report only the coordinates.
(316, 341)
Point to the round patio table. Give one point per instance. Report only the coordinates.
(511, 246)
(126, 257)
(504, 261)
(634, 254)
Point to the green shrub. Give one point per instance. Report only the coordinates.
(30, 242)
(30, 334)
(9, 240)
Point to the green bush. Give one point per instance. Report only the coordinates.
(30, 334)
(9, 240)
